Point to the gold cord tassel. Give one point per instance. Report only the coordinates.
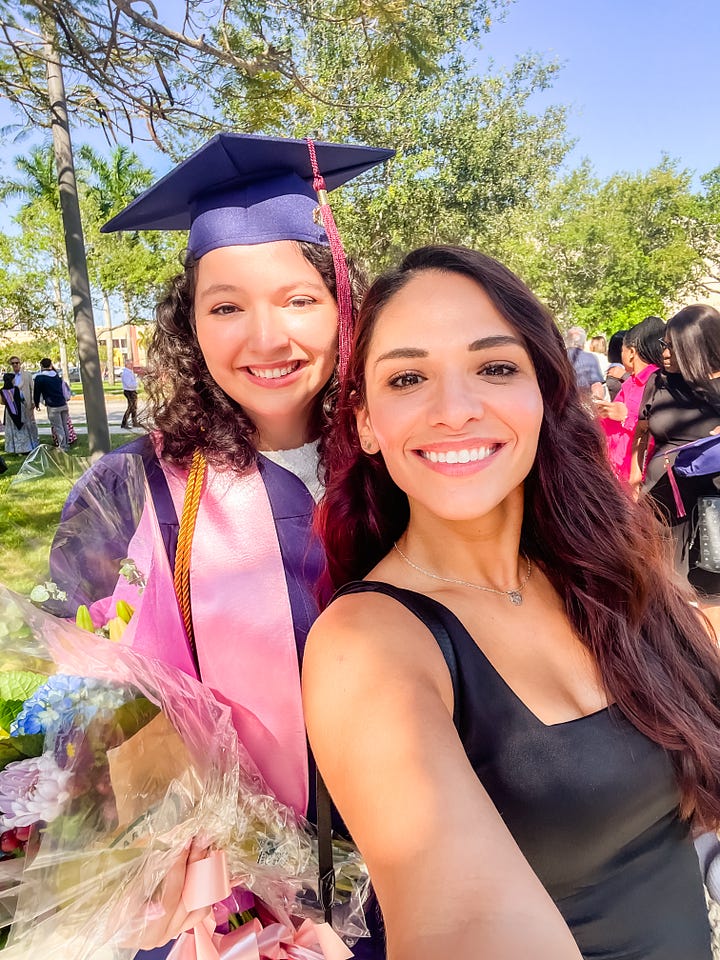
(181, 578)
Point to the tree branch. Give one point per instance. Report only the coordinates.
(249, 67)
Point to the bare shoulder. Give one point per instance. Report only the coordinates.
(362, 633)
(355, 614)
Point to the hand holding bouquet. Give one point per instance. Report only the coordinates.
(110, 765)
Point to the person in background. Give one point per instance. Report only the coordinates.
(130, 387)
(516, 683)
(681, 405)
(588, 375)
(48, 386)
(616, 372)
(642, 356)
(17, 435)
(598, 346)
(24, 382)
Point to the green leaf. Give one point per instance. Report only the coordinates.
(20, 748)
(19, 684)
(135, 715)
(9, 709)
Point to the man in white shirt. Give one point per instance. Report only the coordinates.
(130, 385)
(24, 383)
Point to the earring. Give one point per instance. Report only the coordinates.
(367, 446)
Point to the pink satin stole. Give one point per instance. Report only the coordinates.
(243, 624)
(241, 617)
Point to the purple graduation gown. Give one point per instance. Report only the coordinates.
(88, 572)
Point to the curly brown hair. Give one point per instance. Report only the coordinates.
(187, 406)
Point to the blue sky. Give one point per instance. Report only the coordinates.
(642, 76)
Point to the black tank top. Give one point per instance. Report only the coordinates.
(592, 804)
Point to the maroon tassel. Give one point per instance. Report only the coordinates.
(342, 277)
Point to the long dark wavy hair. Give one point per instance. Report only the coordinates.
(186, 404)
(695, 336)
(604, 554)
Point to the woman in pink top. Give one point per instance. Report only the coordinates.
(641, 355)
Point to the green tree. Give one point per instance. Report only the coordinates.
(607, 253)
(127, 64)
(125, 268)
(468, 147)
(130, 69)
(22, 304)
(37, 257)
(129, 265)
(709, 280)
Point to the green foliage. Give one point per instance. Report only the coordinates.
(21, 290)
(131, 266)
(607, 254)
(34, 291)
(20, 748)
(128, 67)
(476, 163)
(19, 684)
(469, 148)
(9, 710)
(134, 715)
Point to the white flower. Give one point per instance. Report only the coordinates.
(31, 790)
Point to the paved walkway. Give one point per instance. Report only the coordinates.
(114, 405)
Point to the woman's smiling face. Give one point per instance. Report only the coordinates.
(452, 400)
(267, 327)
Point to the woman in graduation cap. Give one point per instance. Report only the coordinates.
(242, 366)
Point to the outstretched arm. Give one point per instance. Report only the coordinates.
(448, 875)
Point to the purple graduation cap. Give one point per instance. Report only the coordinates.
(242, 189)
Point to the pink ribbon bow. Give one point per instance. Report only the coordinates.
(205, 884)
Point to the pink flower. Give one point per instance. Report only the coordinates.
(31, 790)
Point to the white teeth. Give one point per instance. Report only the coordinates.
(469, 455)
(274, 372)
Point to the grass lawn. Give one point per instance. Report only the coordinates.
(29, 512)
(115, 390)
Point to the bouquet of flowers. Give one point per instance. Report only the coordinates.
(111, 762)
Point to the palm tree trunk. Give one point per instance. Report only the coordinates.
(97, 423)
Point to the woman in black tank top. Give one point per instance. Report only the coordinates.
(513, 704)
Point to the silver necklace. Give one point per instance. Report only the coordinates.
(514, 596)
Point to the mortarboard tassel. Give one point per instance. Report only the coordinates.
(342, 277)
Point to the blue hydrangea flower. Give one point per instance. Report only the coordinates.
(65, 701)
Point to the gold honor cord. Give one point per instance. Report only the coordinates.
(181, 579)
